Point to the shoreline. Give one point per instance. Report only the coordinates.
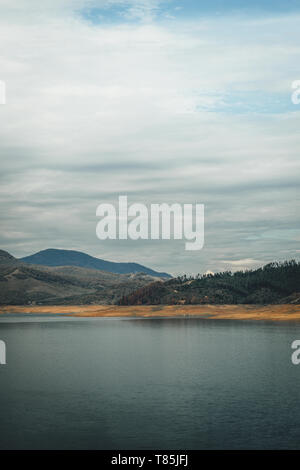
(284, 312)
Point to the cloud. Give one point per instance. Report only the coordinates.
(146, 109)
(144, 10)
(242, 262)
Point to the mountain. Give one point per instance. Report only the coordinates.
(54, 257)
(6, 258)
(22, 284)
(272, 284)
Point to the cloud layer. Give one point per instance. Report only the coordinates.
(184, 110)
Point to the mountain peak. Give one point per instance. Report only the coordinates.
(5, 256)
(61, 257)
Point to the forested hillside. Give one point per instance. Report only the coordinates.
(273, 283)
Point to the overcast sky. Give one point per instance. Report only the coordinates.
(163, 101)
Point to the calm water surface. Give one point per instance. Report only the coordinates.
(73, 383)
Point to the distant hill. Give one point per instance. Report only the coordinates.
(22, 284)
(54, 257)
(6, 258)
(274, 283)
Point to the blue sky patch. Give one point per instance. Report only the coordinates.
(131, 11)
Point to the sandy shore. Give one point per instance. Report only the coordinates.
(287, 312)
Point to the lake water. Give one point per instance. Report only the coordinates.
(73, 383)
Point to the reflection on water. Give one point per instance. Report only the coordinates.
(93, 383)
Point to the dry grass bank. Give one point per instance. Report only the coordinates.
(287, 312)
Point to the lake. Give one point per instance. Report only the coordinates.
(99, 383)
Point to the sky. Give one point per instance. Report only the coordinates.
(163, 101)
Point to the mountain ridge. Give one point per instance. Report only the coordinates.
(273, 283)
(60, 257)
(28, 284)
